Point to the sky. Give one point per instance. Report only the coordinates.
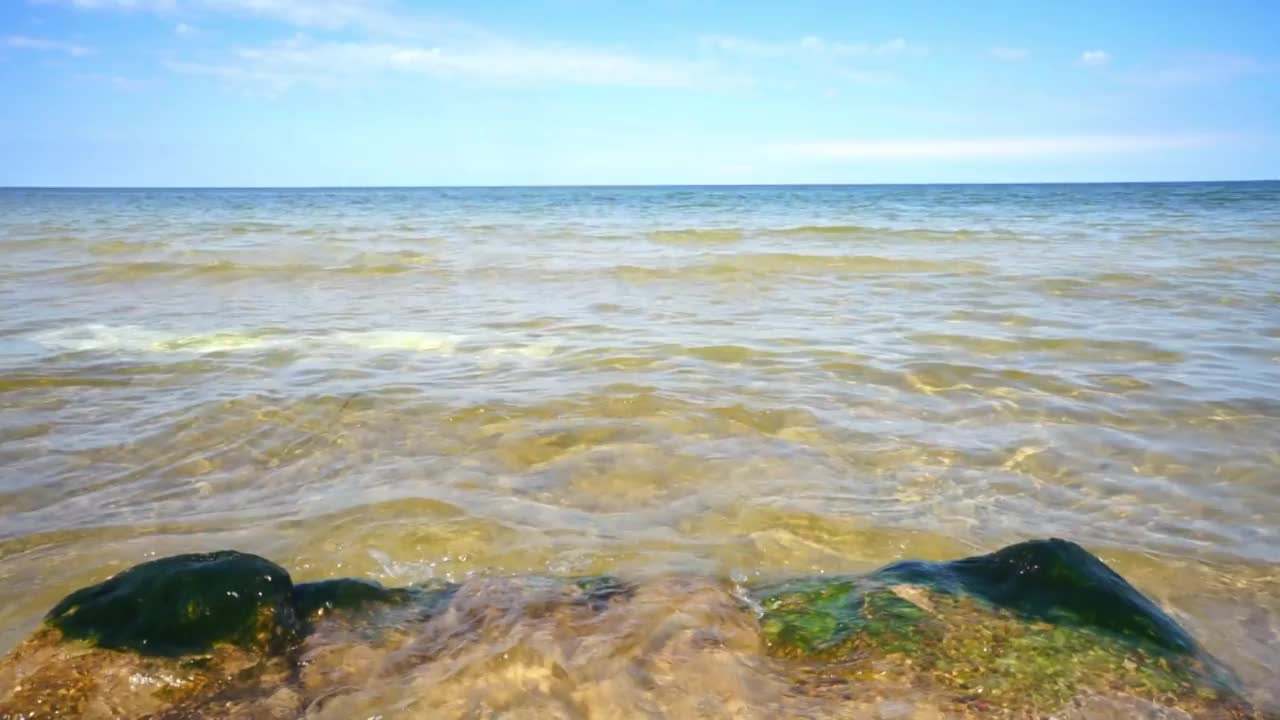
(563, 92)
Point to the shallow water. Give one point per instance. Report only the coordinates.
(726, 382)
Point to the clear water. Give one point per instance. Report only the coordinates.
(406, 384)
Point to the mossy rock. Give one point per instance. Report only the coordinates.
(344, 594)
(185, 605)
(351, 599)
(824, 618)
(1052, 580)
(1030, 626)
(1028, 631)
(598, 590)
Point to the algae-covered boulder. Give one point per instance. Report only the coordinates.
(598, 590)
(1052, 580)
(184, 605)
(1039, 629)
(212, 635)
(315, 599)
(1026, 629)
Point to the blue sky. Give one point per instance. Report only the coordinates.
(400, 92)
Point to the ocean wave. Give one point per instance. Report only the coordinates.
(135, 340)
(892, 233)
(96, 338)
(125, 247)
(16, 243)
(367, 264)
(1002, 317)
(760, 265)
(698, 235)
(1069, 347)
(869, 232)
(1108, 284)
(796, 262)
(252, 228)
(1131, 280)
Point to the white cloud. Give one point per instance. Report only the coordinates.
(1009, 54)
(809, 45)
(372, 15)
(24, 42)
(305, 61)
(116, 82)
(163, 5)
(1095, 58)
(866, 77)
(743, 46)
(998, 147)
(1198, 70)
(379, 16)
(392, 41)
(269, 83)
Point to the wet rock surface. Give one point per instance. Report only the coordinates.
(184, 605)
(1031, 626)
(1040, 629)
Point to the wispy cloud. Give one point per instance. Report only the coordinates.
(24, 42)
(376, 16)
(255, 79)
(123, 5)
(372, 15)
(809, 45)
(1009, 54)
(1198, 70)
(995, 147)
(302, 60)
(115, 82)
(1095, 58)
(380, 36)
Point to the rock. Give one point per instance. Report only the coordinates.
(1030, 627)
(598, 590)
(207, 635)
(1052, 580)
(317, 598)
(184, 605)
(1039, 629)
(45, 677)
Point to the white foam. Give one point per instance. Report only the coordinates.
(133, 339)
(532, 351)
(102, 338)
(398, 340)
(218, 342)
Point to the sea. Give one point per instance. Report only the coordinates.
(738, 382)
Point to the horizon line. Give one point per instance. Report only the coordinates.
(635, 185)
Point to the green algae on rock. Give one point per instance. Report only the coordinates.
(212, 635)
(184, 605)
(1031, 626)
(316, 598)
(1040, 629)
(1052, 580)
(598, 590)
